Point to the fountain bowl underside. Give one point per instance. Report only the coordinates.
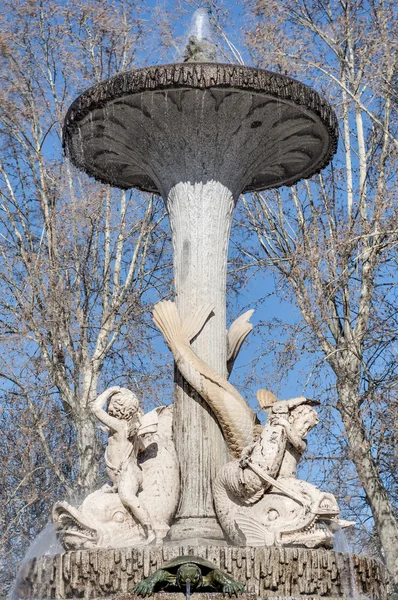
(248, 128)
(268, 571)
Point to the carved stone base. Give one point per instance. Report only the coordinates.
(214, 596)
(185, 531)
(178, 596)
(277, 572)
(197, 541)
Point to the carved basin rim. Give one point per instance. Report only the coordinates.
(267, 571)
(200, 76)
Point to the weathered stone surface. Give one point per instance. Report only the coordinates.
(181, 596)
(214, 596)
(258, 498)
(200, 218)
(144, 465)
(266, 572)
(267, 129)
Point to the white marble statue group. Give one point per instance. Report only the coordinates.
(257, 496)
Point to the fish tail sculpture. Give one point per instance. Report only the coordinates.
(233, 414)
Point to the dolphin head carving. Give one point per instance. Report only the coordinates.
(100, 522)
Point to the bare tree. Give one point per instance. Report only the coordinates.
(35, 468)
(333, 241)
(81, 263)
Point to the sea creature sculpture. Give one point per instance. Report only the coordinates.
(103, 520)
(258, 498)
(188, 573)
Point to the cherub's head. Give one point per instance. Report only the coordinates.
(303, 418)
(123, 405)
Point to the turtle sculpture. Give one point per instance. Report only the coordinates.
(188, 573)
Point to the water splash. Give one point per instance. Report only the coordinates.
(188, 590)
(199, 47)
(347, 576)
(200, 24)
(45, 544)
(340, 542)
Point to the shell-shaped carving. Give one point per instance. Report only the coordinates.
(266, 398)
(153, 128)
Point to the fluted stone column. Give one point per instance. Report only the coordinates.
(200, 217)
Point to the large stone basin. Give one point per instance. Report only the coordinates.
(266, 572)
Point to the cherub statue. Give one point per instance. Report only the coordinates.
(142, 464)
(282, 441)
(122, 419)
(259, 494)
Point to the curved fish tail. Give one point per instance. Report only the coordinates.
(196, 321)
(167, 319)
(237, 334)
(233, 414)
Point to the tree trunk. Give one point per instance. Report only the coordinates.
(360, 452)
(87, 448)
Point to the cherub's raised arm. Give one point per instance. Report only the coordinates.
(294, 402)
(98, 409)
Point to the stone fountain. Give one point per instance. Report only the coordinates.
(214, 482)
